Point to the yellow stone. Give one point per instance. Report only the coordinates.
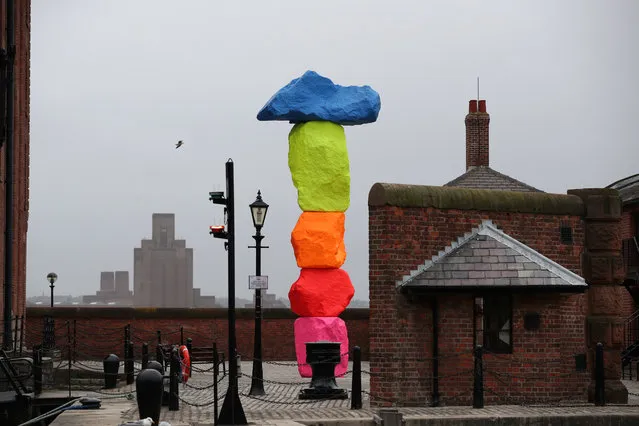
(318, 160)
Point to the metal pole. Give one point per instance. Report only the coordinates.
(232, 412)
(51, 286)
(8, 192)
(257, 380)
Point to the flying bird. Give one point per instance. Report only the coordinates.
(179, 144)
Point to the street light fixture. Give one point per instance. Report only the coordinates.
(52, 277)
(258, 212)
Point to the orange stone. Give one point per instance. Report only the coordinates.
(318, 240)
(321, 292)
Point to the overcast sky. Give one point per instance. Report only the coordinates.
(114, 84)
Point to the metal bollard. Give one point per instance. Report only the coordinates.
(478, 381)
(600, 391)
(356, 387)
(111, 364)
(174, 402)
(37, 369)
(130, 364)
(154, 365)
(148, 390)
(145, 355)
(159, 354)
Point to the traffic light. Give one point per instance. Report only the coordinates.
(218, 231)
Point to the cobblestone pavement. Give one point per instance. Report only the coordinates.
(282, 385)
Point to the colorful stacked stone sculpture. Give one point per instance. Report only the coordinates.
(318, 160)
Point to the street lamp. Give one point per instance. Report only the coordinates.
(52, 277)
(258, 212)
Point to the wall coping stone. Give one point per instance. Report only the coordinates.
(403, 195)
(83, 312)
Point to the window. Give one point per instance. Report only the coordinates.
(565, 232)
(493, 322)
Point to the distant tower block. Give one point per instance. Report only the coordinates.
(107, 281)
(122, 283)
(163, 268)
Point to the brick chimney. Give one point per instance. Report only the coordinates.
(477, 122)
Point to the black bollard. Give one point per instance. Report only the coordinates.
(159, 354)
(181, 335)
(148, 390)
(189, 347)
(478, 382)
(111, 365)
(130, 365)
(154, 365)
(600, 390)
(145, 355)
(174, 402)
(37, 369)
(323, 357)
(356, 387)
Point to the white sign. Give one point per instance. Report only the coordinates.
(258, 282)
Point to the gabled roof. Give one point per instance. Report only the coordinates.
(628, 189)
(487, 258)
(483, 177)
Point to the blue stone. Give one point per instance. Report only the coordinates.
(315, 98)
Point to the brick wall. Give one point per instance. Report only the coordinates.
(100, 331)
(21, 155)
(402, 237)
(628, 230)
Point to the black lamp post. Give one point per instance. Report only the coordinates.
(52, 277)
(232, 412)
(258, 212)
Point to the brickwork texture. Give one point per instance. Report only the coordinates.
(100, 331)
(21, 156)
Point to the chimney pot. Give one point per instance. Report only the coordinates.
(482, 106)
(472, 106)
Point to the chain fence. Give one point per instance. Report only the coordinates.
(76, 366)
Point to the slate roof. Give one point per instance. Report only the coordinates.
(483, 177)
(489, 258)
(628, 189)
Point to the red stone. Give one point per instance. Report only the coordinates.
(321, 292)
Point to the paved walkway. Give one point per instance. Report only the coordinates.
(280, 404)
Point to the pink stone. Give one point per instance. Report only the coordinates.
(313, 329)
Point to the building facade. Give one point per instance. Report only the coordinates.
(163, 268)
(20, 177)
(533, 278)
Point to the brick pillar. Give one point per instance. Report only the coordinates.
(602, 268)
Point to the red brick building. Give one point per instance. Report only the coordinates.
(20, 155)
(488, 260)
(629, 192)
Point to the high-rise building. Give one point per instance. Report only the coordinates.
(163, 268)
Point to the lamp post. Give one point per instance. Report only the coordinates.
(52, 277)
(258, 212)
(232, 412)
